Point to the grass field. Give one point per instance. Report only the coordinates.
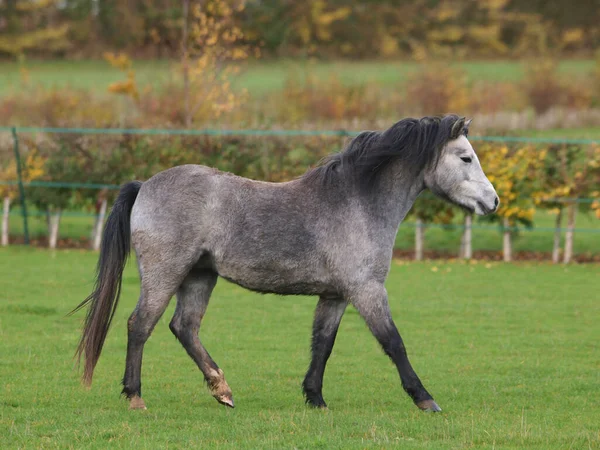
(259, 77)
(563, 133)
(509, 351)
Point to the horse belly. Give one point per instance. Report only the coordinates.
(275, 279)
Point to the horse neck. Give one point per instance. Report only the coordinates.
(395, 193)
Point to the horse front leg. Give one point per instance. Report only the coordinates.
(328, 316)
(372, 303)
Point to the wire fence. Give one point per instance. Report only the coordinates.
(15, 131)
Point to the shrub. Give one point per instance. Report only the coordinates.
(310, 99)
(437, 89)
(544, 88)
(488, 98)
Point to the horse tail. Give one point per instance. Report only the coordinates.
(103, 300)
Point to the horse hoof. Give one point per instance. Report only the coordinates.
(227, 401)
(318, 405)
(429, 406)
(137, 403)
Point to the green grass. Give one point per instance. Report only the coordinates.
(75, 226)
(272, 75)
(260, 77)
(509, 352)
(563, 133)
(87, 74)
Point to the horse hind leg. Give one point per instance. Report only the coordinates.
(157, 287)
(150, 307)
(192, 300)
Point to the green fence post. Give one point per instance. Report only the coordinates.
(21, 188)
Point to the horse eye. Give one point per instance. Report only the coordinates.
(466, 159)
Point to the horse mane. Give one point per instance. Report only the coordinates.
(416, 143)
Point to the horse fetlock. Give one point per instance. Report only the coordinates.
(313, 394)
(219, 388)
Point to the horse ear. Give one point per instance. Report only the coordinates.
(457, 128)
(466, 127)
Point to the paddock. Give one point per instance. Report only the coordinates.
(508, 350)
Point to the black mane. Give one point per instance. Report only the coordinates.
(417, 143)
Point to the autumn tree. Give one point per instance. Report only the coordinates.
(32, 27)
(213, 45)
(127, 89)
(378, 28)
(571, 172)
(32, 168)
(516, 174)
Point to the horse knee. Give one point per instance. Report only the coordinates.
(176, 328)
(137, 332)
(182, 329)
(131, 322)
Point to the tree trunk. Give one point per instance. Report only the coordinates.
(100, 225)
(94, 231)
(53, 229)
(571, 212)
(185, 66)
(419, 239)
(506, 241)
(5, 216)
(466, 249)
(556, 245)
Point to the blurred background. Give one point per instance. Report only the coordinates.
(97, 92)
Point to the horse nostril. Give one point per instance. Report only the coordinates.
(496, 202)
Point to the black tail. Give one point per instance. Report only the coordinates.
(116, 241)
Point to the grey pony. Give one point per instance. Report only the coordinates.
(329, 233)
